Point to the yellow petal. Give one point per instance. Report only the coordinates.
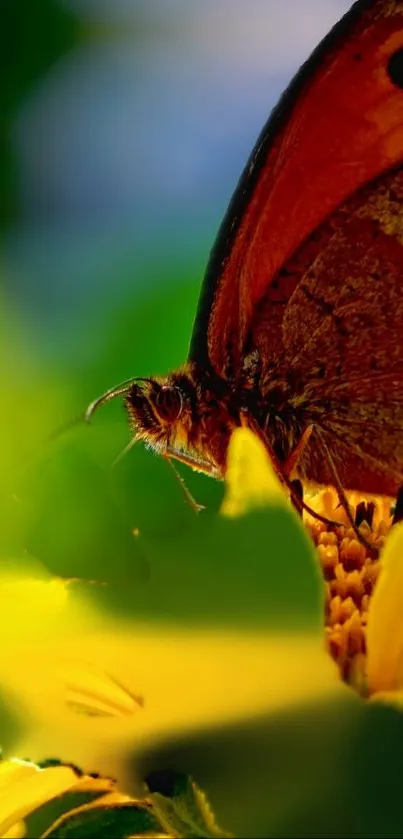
(250, 478)
(27, 788)
(30, 606)
(93, 691)
(140, 683)
(189, 681)
(17, 831)
(13, 771)
(385, 620)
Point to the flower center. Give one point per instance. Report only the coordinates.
(350, 574)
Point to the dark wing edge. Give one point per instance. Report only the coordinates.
(281, 113)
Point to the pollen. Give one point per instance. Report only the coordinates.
(350, 571)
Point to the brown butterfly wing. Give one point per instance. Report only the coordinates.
(339, 125)
(338, 348)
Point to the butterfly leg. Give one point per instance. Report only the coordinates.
(292, 461)
(295, 455)
(248, 421)
(193, 462)
(299, 492)
(189, 461)
(340, 492)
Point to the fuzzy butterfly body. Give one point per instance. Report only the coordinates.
(299, 329)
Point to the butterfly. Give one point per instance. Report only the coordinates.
(299, 328)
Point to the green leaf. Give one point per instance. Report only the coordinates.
(84, 793)
(111, 822)
(181, 806)
(76, 529)
(256, 572)
(330, 768)
(288, 773)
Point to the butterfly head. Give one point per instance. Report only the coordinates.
(176, 417)
(159, 412)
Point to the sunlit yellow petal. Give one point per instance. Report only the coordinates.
(17, 831)
(31, 597)
(385, 620)
(15, 770)
(187, 680)
(94, 691)
(28, 605)
(139, 683)
(29, 790)
(250, 478)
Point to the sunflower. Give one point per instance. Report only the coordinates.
(363, 588)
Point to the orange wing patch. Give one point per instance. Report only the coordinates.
(344, 128)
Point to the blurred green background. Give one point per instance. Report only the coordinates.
(123, 129)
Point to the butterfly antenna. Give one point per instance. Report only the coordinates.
(66, 426)
(118, 390)
(124, 451)
(86, 416)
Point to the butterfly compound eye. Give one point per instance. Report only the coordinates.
(169, 403)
